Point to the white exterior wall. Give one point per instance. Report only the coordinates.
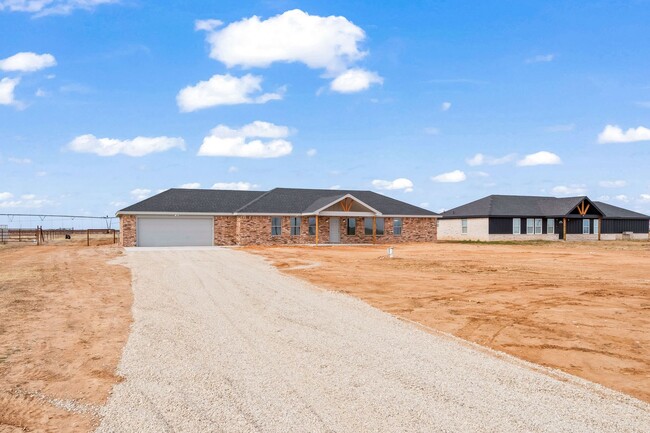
(451, 229)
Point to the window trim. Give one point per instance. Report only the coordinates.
(383, 226)
(586, 226)
(540, 225)
(596, 226)
(294, 230)
(530, 223)
(347, 226)
(274, 226)
(518, 225)
(311, 226)
(464, 226)
(365, 233)
(550, 226)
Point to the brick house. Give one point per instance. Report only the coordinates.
(521, 218)
(195, 217)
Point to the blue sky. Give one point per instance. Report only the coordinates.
(105, 102)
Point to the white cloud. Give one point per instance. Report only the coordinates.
(397, 184)
(445, 106)
(312, 152)
(623, 198)
(40, 93)
(118, 203)
(139, 146)
(614, 134)
(335, 187)
(51, 7)
(355, 80)
(225, 90)
(450, 177)
(140, 193)
(612, 183)
(207, 25)
(27, 62)
(19, 160)
(191, 185)
(431, 131)
(541, 58)
(539, 158)
(7, 87)
(644, 198)
(232, 169)
(238, 186)
(569, 190)
(8, 200)
(329, 43)
(481, 159)
(225, 141)
(604, 198)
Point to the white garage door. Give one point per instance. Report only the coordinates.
(174, 232)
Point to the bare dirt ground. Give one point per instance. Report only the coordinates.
(64, 319)
(582, 308)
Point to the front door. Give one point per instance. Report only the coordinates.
(335, 230)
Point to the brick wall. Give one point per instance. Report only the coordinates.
(225, 230)
(127, 230)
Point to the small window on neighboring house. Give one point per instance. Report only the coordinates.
(295, 226)
(516, 226)
(351, 229)
(596, 226)
(585, 227)
(550, 226)
(276, 226)
(312, 226)
(538, 226)
(367, 226)
(463, 226)
(530, 226)
(379, 226)
(397, 226)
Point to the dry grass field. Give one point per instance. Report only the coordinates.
(583, 308)
(65, 316)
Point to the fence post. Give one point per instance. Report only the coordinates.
(113, 235)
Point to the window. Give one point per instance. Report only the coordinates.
(596, 222)
(550, 226)
(312, 226)
(538, 226)
(516, 226)
(295, 226)
(585, 227)
(463, 226)
(379, 226)
(367, 226)
(530, 226)
(397, 226)
(276, 226)
(351, 229)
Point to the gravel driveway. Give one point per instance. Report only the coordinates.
(224, 342)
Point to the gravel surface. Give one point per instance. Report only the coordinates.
(224, 342)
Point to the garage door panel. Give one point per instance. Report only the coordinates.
(174, 232)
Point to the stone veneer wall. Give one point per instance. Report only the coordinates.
(225, 230)
(127, 230)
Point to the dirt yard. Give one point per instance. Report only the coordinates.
(64, 319)
(582, 308)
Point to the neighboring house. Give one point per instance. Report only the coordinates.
(509, 217)
(194, 217)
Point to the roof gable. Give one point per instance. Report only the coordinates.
(522, 206)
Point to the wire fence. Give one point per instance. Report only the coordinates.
(58, 229)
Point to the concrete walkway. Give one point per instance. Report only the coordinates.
(224, 342)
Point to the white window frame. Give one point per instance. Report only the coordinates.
(530, 224)
(516, 226)
(464, 226)
(596, 224)
(294, 229)
(398, 222)
(586, 226)
(550, 226)
(274, 226)
(539, 224)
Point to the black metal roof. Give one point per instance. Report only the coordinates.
(275, 201)
(615, 212)
(534, 206)
(195, 200)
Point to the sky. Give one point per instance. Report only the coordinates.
(437, 103)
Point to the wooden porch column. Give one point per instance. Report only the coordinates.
(600, 228)
(316, 229)
(564, 229)
(374, 229)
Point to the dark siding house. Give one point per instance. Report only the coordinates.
(508, 217)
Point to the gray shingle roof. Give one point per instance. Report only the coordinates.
(518, 205)
(195, 200)
(276, 201)
(616, 212)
